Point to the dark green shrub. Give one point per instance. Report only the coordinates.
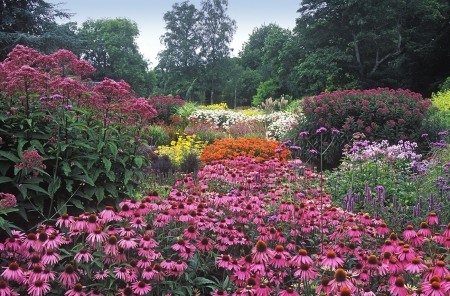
(381, 114)
(165, 107)
(191, 163)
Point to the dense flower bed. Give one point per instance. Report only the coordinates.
(245, 227)
(228, 148)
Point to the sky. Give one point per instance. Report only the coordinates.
(148, 15)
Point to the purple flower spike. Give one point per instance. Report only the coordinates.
(302, 134)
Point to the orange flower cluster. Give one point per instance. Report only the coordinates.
(229, 148)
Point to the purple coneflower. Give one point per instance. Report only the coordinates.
(68, 277)
(77, 290)
(38, 288)
(141, 287)
(261, 253)
(13, 272)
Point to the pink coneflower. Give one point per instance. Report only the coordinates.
(279, 261)
(167, 264)
(324, 286)
(94, 292)
(424, 229)
(121, 273)
(50, 257)
(440, 269)
(65, 220)
(398, 288)
(138, 223)
(77, 290)
(108, 214)
(96, 237)
(242, 274)
(127, 243)
(30, 240)
(5, 290)
(48, 275)
(147, 273)
(111, 247)
(68, 277)
(190, 232)
(219, 292)
(141, 287)
(340, 281)
(144, 262)
(158, 273)
(371, 262)
(409, 232)
(38, 288)
(188, 252)
(382, 229)
(432, 218)
(407, 254)
(415, 266)
(224, 261)
(13, 244)
(126, 212)
(127, 231)
(345, 292)
(127, 291)
(35, 274)
(83, 255)
(147, 241)
(261, 253)
(181, 265)
(301, 258)
(13, 272)
(306, 272)
(433, 287)
(101, 275)
(289, 291)
(205, 244)
(331, 260)
(446, 232)
(263, 290)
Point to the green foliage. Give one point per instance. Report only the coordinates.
(33, 23)
(110, 46)
(186, 109)
(367, 45)
(265, 90)
(441, 100)
(157, 135)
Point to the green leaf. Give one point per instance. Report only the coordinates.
(5, 225)
(61, 206)
(22, 142)
(138, 160)
(128, 174)
(66, 168)
(4, 166)
(202, 281)
(54, 186)
(113, 149)
(77, 203)
(69, 184)
(23, 214)
(36, 144)
(111, 176)
(100, 193)
(35, 188)
(111, 188)
(5, 179)
(107, 163)
(10, 156)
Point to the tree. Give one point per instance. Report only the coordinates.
(217, 33)
(110, 46)
(363, 42)
(33, 23)
(253, 50)
(180, 63)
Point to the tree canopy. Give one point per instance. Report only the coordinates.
(33, 23)
(110, 46)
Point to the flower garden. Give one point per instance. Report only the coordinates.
(103, 193)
